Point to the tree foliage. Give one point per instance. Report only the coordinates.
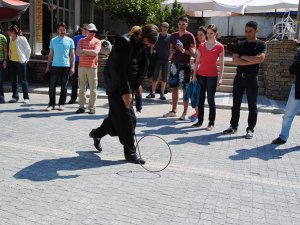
(171, 16)
(133, 12)
(141, 12)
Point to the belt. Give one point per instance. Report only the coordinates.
(245, 75)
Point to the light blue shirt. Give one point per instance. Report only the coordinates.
(61, 48)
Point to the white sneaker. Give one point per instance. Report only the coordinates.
(137, 113)
(49, 108)
(26, 101)
(170, 114)
(61, 108)
(184, 116)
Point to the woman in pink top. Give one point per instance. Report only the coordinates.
(207, 74)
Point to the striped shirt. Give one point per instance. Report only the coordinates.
(87, 60)
(3, 42)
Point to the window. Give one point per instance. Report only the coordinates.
(84, 12)
(63, 11)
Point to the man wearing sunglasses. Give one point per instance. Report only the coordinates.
(182, 47)
(88, 50)
(74, 77)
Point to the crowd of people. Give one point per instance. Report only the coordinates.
(144, 51)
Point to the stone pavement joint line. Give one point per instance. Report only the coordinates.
(173, 168)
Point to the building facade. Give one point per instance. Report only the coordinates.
(39, 22)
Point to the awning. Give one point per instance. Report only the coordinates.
(11, 10)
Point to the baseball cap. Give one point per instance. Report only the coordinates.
(91, 27)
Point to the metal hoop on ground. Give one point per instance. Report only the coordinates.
(139, 152)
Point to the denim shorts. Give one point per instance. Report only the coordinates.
(180, 75)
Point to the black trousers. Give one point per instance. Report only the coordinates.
(240, 84)
(209, 85)
(74, 83)
(138, 98)
(18, 71)
(58, 74)
(120, 122)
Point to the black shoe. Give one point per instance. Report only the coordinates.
(249, 134)
(96, 140)
(134, 159)
(230, 130)
(198, 124)
(92, 111)
(80, 110)
(151, 95)
(279, 141)
(72, 101)
(162, 96)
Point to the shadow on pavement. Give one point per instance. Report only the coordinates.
(163, 126)
(265, 152)
(205, 139)
(85, 117)
(44, 114)
(47, 170)
(21, 110)
(33, 104)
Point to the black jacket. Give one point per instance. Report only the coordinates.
(295, 70)
(126, 66)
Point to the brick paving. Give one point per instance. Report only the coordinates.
(50, 173)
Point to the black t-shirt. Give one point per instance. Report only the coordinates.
(250, 49)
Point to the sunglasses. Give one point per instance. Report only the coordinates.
(92, 31)
(181, 24)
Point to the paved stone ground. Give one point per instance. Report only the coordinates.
(223, 100)
(50, 173)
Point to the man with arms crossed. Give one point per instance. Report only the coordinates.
(249, 54)
(88, 50)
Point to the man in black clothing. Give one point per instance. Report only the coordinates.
(124, 72)
(248, 55)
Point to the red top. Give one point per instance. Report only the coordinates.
(208, 59)
(87, 60)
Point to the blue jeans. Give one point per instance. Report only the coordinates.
(240, 84)
(291, 109)
(2, 98)
(18, 70)
(209, 85)
(61, 74)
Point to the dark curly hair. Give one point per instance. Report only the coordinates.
(14, 28)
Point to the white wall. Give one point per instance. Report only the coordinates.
(237, 24)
